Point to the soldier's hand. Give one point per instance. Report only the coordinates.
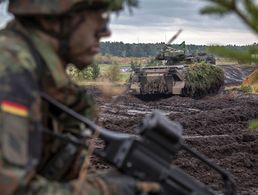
(125, 185)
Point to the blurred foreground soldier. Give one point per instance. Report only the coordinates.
(34, 50)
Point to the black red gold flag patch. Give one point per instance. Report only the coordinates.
(14, 108)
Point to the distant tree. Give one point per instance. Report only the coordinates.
(247, 11)
(91, 72)
(142, 49)
(134, 65)
(113, 73)
(72, 71)
(86, 73)
(95, 71)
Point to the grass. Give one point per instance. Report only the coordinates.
(104, 68)
(106, 62)
(123, 77)
(225, 61)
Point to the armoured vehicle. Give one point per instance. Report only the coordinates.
(173, 56)
(174, 74)
(158, 80)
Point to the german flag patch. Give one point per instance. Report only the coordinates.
(14, 108)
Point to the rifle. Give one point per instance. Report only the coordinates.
(148, 155)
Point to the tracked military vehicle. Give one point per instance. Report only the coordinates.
(171, 56)
(158, 80)
(193, 75)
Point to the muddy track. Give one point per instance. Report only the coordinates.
(216, 126)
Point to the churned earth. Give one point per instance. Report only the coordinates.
(217, 126)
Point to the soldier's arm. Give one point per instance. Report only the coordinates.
(21, 141)
(18, 119)
(20, 147)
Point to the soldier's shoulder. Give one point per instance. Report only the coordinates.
(14, 52)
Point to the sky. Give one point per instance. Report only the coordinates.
(158, 20)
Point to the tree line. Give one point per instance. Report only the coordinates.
(152, 49)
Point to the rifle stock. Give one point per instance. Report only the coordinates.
(148, 156)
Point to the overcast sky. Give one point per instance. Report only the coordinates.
(158, 20)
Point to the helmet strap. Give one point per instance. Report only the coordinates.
(67, 28)
(64, 38)
(66, 31)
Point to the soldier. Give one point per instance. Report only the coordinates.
(35, 49)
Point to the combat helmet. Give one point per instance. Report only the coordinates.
(26, 10)
(61, 7)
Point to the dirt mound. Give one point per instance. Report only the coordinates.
(234, 74)
(216, 126)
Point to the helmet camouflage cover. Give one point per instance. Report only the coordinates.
(59, 7)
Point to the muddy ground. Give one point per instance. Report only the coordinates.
(215, 126)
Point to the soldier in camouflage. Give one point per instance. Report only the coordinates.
(35, 49)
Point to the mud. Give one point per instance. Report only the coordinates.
(217, 126)
(235, 74)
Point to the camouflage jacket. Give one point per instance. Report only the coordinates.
(22, 112)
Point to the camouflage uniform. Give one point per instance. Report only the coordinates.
(22, 113)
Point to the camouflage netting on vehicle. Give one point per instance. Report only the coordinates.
(203, 79)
